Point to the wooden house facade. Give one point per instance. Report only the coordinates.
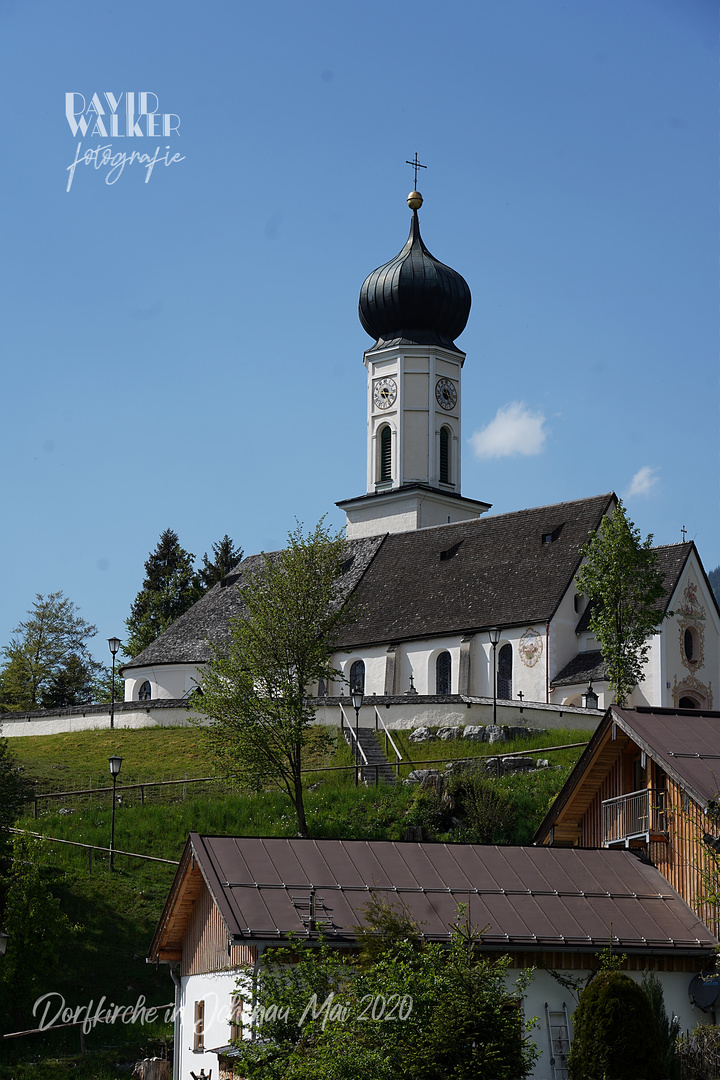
(649, 780)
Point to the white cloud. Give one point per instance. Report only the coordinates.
(516, 429)
(641, 483)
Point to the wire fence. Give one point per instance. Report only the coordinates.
(149, 791)
(175, 791)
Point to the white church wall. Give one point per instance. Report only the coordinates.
(95, 718)
(166, 681)
(697, 676)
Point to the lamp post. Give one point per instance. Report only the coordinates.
(356, 696)
(590, 698)
(115, 763)
(494, 633)
(113, 644)
(3, 942)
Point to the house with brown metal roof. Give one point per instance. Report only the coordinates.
(649, 780)
(551, 908)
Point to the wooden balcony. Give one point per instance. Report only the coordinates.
(640, 815)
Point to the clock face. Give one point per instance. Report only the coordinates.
(446, 394)
(384, 393)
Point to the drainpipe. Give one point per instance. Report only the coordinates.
(176, 1026)
(547, 663)
(256, 969)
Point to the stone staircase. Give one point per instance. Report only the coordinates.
(375, 757)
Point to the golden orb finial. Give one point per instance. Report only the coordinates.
(414, 200)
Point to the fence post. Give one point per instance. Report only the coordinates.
(142, 795)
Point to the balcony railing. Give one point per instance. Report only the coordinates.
(633, 817)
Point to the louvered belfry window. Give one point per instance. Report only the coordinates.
(386, 453)
(444, 456)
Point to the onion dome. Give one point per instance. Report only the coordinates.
(414, 299)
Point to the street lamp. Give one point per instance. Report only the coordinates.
(590, 698)
(356, 696)
(494, 633)
(114, 644)
(3, 942)
(115, 763)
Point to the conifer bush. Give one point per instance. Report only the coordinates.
(615, 1034)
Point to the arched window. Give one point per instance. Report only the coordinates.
(145, 692)
(445, 437)
(504, 672)
(386, 453)
(357, 675)
(443, 673)
(687, 703)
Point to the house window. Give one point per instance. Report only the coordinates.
(444, 455)
(145, 692)
(357, 675)
(443, 674)
(687, 703)
(199, 1027)
(385, 453)
(236, 1008)
(504, 672)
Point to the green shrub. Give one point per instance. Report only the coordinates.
(490, 814)
(615, 1034)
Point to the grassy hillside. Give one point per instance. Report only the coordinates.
(118, 910)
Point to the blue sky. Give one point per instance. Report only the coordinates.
(185, 352)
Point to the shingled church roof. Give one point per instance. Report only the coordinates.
(190, 638)
(503, 570)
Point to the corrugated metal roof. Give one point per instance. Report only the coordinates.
(526, 897)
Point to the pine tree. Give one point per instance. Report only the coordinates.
(714, 579)
(226, 558)
(171, 586)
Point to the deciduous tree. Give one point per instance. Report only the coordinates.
(622, 580)
(256, 689)
(419, 1012)
(171, 586)
(48, 661)
(15, 791)
(36, 926)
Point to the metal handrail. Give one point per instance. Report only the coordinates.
(345, 720)
(398, 755)
(631, 816)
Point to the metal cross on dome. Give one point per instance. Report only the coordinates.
(416, 165)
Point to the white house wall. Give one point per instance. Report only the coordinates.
(544, 988)
(216, 990)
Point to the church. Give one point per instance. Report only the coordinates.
(460, 611)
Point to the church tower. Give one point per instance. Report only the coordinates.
(415, 307)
